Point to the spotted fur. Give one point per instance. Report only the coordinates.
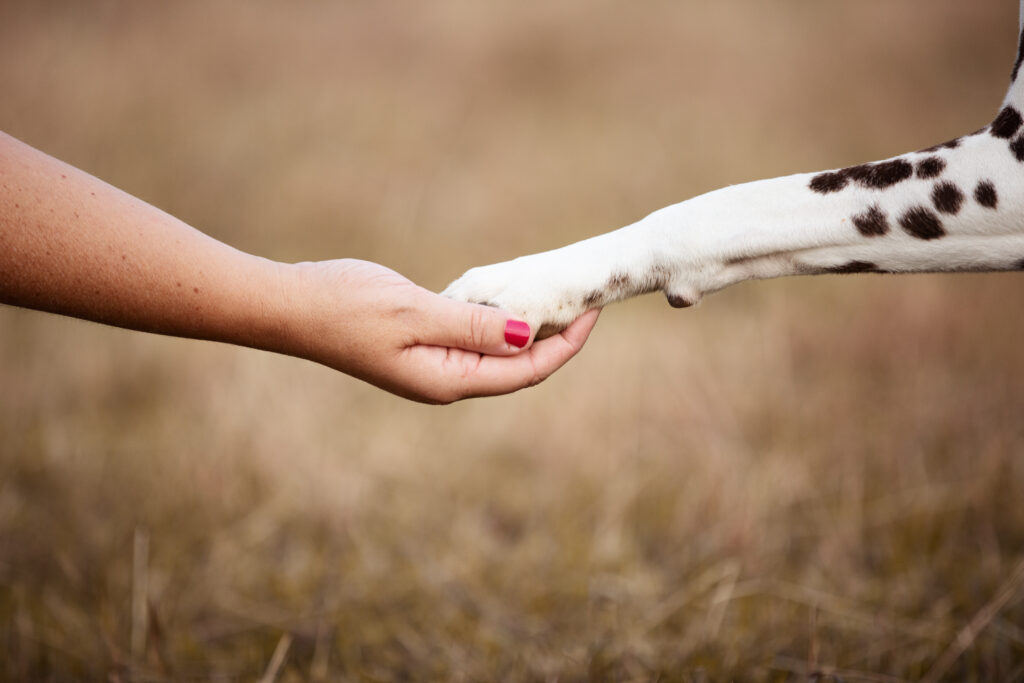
(1017, 147)
(872, 222)
(1007, 123)
(947, 198)
(930, 167)
(1020, 53)
(985, 194)
(955, 206)
(854, 267)
(948, 144)
(922, 223)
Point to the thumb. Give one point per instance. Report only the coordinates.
(475, 327)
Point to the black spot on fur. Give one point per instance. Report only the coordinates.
(922, 223)
(1017, 147)
(825, 183)
(858, 174)
(985, 194)
(1007, 123)
(932, 167)
(1020, 56)
(855, 267)
(881, 175)
(592, 299)
(947, 198)
(874, 176)
(949, 144)
(872, 222)
(676, 301)
(1020, 264)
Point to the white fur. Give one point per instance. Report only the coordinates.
(769, 228)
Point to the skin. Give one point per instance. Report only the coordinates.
(74, 245)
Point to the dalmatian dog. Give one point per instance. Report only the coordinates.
(957, 206)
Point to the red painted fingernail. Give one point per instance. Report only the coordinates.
(517, 333)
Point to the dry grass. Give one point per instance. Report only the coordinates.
(813, 476)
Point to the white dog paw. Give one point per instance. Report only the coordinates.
(539, 289)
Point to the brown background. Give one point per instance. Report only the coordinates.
(808, 474)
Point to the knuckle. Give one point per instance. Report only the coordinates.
(538, 375)
(476, 331)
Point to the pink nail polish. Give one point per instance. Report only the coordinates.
(517, 333)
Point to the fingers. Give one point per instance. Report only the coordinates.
(495, 375)
(473, 327)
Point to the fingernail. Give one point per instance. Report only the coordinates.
(517, 333)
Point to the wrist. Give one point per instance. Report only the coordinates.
(283, 323)
(303, 310)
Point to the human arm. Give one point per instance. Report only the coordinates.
(74, 245)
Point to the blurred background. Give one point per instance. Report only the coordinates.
(798, 477)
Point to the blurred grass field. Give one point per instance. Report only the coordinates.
(809, 479)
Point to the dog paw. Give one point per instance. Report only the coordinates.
(545, 291)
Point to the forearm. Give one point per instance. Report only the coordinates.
(72, 244)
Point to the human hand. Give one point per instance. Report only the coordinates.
(370, 322)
